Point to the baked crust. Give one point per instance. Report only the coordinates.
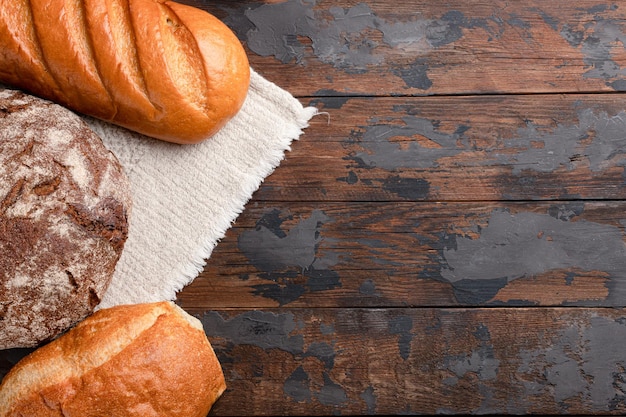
(163, 69)
(132, 360)
(64, 207)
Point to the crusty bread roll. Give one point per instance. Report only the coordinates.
(65, 203)
(166, 70)
(143, 360)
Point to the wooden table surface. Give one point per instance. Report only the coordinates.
(448, 236)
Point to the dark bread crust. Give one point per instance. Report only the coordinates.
(64, 206)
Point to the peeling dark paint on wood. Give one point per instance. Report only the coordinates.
(297, 386)
(524, 147)
(257, 328)
(522, 245)
(270, 248)
(343, 37)
(482, 362)
(452, 47)
(381, 151)
(596, 373)
(450, 253)
(397, 201)
(328, 103)
(283, 256)
(415, 74)
(597, 139)
(276, 30)
(402, 326)
(275, 331)
(368, 287)
(329, 360)
(409, 188)
(597, 41)
(557, 360)
(357, 38)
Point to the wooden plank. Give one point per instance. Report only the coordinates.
(457, 148)
(397, 361)
(367, 254)
(332, 47)
(416, 361)
(390, 264)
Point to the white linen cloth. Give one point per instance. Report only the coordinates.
(185, 197)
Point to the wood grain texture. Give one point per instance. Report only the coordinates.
(470, 157)
(504, 147)
(420, 361)
(382, 48)
(448, 235)
(418, 254)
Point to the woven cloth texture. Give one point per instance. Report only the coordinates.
(185, 197)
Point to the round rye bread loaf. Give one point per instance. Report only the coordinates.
(64, 207)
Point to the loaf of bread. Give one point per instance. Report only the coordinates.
(163, 69)
(65, 203)
(144, 360)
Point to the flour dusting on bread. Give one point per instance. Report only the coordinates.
(65, 202)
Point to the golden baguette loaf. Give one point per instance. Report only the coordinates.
(143, 360)
(163, 69)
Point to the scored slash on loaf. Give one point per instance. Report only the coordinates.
(163, 69)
